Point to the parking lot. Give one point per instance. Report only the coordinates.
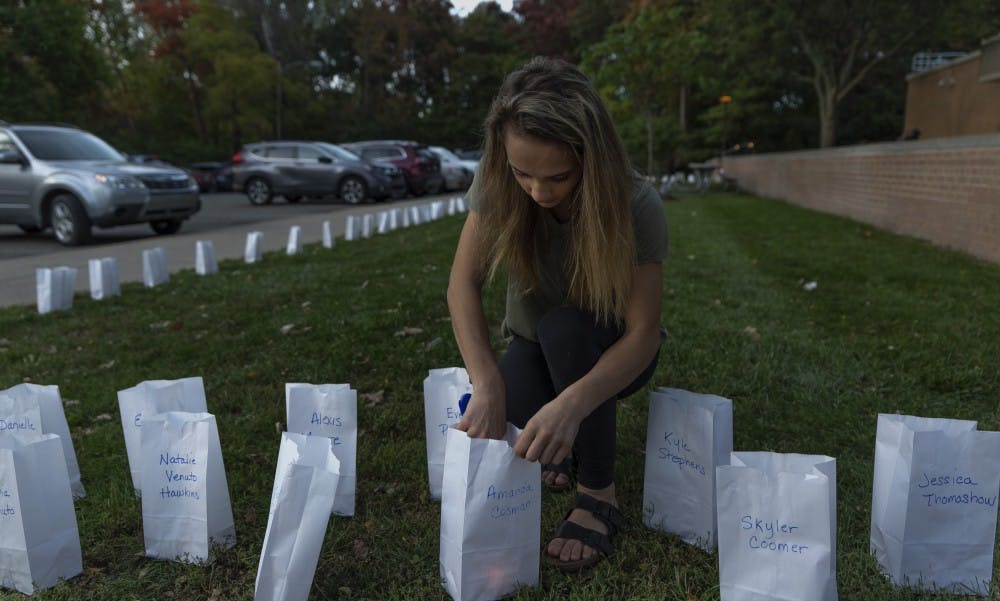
(225, 219)
(218, 211)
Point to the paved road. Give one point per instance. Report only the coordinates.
(224, 219)
(217, 211)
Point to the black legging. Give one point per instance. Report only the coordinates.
(570, 342)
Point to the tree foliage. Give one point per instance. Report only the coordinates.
(49, 67)
(195, 79)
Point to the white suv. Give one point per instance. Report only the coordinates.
(70, 180)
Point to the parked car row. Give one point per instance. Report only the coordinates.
(70, 180)
(67, 179)
(212, 176)
(294, 169)
(354, 171)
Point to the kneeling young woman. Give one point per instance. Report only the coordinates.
(580, 235)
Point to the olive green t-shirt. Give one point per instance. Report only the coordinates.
(525, 310)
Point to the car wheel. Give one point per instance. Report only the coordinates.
(293, 198)
(165, 227)
(30, 229)
(70, 222)
(352, 190)
(259, 191)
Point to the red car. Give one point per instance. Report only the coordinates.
(421, 168)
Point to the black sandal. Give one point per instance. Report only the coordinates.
(607, 513)
(563, 467)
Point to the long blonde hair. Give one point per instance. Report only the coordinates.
(551, 100)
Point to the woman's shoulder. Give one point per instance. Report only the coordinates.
(643, 194)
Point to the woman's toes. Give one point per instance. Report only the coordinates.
(567, 551)
(555, 547)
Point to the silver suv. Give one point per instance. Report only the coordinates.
(70, 180)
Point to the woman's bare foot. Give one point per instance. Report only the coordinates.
(555, 479)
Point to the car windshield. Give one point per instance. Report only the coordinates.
(67, 145)
(340, 153)
(445, 154)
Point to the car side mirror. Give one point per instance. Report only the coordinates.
(11, 157)
(325, 160)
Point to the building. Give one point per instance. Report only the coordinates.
(956, 97)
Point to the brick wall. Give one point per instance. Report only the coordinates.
(945, 190)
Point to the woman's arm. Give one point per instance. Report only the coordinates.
(486, 415)
(548, 436)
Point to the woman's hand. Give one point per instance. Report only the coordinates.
(549, 435)
(486, 414)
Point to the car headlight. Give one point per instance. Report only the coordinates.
(119, 182)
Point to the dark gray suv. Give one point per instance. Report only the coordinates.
(70, 180)
(295, 169)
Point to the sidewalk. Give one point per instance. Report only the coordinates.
(17, 276)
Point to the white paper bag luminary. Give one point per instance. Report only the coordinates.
(149, 398)
(777, 527)
(32, 410)
(687, 437)
(39, 539)
(442, 390)
(186, 510)
(328, 239)
(103, 278)
(205, 262)
(331, 411)
(305, 485)
(154, 267)
(54, 288)
(252, 252)
(294, 245)
(490, 518)
(934, 503)
(351, 226)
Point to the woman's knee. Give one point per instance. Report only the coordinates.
(571, 327)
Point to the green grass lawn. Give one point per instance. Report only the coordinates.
(894, 325)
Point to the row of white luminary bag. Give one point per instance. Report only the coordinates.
(55, 285)
(777, 511)
(773, 515)
(175, 458)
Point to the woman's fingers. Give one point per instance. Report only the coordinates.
(524, 441)
(554, 453)
(535, 446)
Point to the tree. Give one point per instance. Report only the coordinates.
(49, 69)
(644, 68)
(235, 83)
(835, 45)
(545, 29)
(485, 52)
